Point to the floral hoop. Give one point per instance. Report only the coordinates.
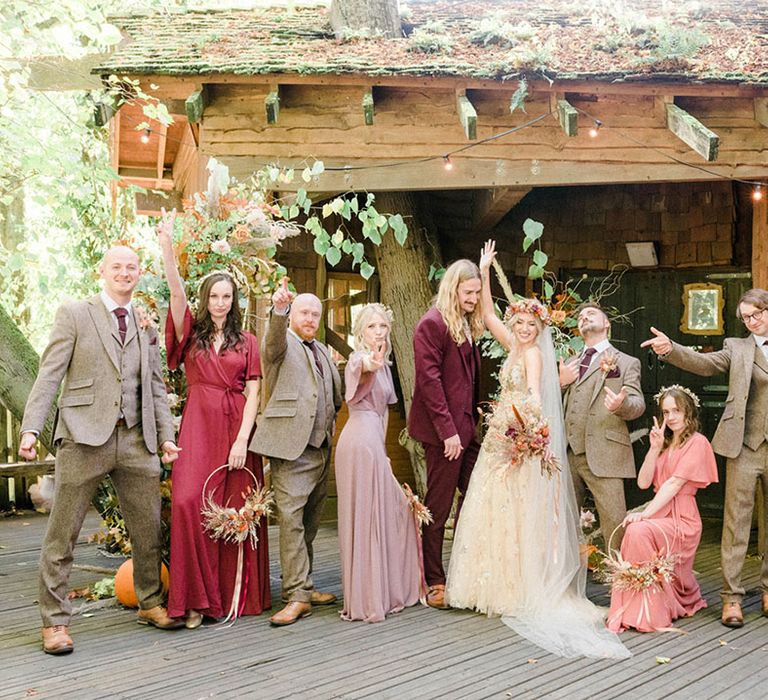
(236, 526)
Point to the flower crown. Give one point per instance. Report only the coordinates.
(658, 397)
(528, 306)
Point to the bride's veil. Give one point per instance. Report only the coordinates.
(556, 615)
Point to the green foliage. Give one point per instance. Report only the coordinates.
(517, 101)
(430, 38)
(103, 588)
(495, 29)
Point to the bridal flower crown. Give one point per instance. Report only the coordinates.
(528, 306)
(658, 397)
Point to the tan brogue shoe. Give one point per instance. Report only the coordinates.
(732, 615)
(56, 640)
(158, 617)
(436, 597)
(320, 598)
(295, 610)
(765, 604)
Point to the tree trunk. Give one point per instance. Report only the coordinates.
(377, 16)
(405, 288)
(18, 368)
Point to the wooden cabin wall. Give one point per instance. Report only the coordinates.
(416, 122)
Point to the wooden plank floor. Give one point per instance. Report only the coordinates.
(419, 653)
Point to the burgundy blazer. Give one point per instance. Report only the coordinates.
(446, 392)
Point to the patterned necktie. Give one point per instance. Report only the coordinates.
(585, 361)
(121, 313)
(311, 345)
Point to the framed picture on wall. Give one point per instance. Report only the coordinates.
(702, 309)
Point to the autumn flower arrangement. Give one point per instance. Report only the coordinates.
(420, 511)
(609, 363)
(516, 434)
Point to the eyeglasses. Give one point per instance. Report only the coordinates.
(748, 318)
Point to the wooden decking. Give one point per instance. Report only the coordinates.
(420, 653)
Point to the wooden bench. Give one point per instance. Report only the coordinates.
(17, 470)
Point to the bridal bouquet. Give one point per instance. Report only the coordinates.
(515, 435)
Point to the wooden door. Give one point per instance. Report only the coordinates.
(655, 298)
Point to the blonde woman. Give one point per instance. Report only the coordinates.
(379, 542)
(443, 414)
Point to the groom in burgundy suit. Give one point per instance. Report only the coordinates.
(443, 414)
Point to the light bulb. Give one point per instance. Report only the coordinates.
(757, 193)
(145, 136)
(595, 130)
(447, 163)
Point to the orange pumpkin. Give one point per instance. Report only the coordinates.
(124, 590)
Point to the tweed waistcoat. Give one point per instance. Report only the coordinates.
(756, 416)
(325, 412)
(129, 359)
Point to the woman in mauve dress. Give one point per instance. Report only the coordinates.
(223, 371)
(378, 535)
(679, 462)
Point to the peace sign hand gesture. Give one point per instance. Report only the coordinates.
(375, 360)
(164, 227)
(656, 436)
(614, 400)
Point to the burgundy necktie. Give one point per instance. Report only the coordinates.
(311, 345)
(121, 313)
(585, 361)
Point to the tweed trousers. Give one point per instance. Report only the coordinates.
(135, 473)
(300, 487)
(741, 476)
(608, 493)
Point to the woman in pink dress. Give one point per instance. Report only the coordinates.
(679, 462)
(378, 535)
(222, 367)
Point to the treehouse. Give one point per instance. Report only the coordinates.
(636, 138)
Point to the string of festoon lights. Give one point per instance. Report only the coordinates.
(449, 161)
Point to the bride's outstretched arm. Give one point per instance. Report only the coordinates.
(492, 322)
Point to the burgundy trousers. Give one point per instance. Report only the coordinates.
(443, 478)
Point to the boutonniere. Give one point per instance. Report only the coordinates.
(147, 322)
(609, 364)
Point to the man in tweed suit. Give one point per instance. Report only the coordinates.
(601, 392)
(295, 431)
(113, 416)
(741, 436)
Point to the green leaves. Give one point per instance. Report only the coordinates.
(532, 230)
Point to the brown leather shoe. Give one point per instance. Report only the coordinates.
(436, 597)
(290, 613)
(320, 598)
(158, 617)
(56, 640)
(732, 615)
(765, 604)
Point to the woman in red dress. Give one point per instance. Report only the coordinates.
(223, 372)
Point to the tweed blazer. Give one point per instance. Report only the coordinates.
(606, 436)
(737, 358)
(284, 427)
(446, 392)
(82, 359)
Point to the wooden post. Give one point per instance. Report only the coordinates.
(194, 105)
(691, 131)
(368, 106)
(761, 110)
(760, 242)
(467, 115)
(272, 105)
(569, 118)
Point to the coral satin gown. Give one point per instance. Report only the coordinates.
(203, 571)
(676, 528)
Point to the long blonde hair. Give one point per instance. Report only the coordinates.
(447, 302)
(361, 321)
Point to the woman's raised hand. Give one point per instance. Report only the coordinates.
(656, 435)
(165, 225)
(376, 358)
(487, 254)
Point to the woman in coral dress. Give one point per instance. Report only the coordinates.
(679, 462)
(222, 367)
(378, 535)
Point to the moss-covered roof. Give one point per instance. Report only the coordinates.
(716, 40)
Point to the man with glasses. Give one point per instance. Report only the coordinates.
(741, 436)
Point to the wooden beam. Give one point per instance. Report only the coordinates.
(761, 110)
(368, 107)
(161, 143)
(492, 205)
(338, 343)
(272, 105)
(568, 118)
(760, 242)
(151, 183)
(150, 203)
(194, 105)
(467, 115)
(691, 131)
